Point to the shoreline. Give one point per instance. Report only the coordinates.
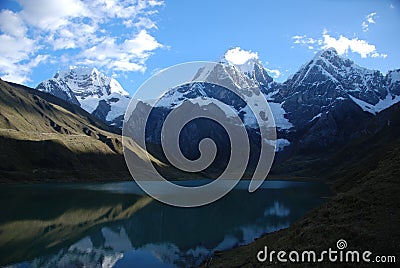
(129, 178)
(363, 210)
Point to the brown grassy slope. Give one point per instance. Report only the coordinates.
(365, 210)
(42, 137)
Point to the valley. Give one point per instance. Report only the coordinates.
(336, 122)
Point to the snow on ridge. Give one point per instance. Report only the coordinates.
(315, 117)
(89, 87)
(281, 144)
(119, 108)
(116, 87)
(203, 72)
(394, 76)
(170, 99)
(279, 112)
(227, 109)
(380, 106)
(93, 81)
(89, 104)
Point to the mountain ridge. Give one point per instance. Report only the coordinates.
(90, 89)
(340, 77)
(44, 138)
(326, 102)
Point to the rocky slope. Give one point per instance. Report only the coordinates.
(327, 104)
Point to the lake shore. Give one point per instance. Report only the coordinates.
(41, 221)
(364, 211)
(23, 178)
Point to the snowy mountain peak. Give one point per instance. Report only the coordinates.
(327, 53)
(86, 81)
(78, 72)
(89, 88)
(242, 60)
(329, 65)
(393, 82)
(330, 58)
(394, 76)
(319, 85)
(248, 63)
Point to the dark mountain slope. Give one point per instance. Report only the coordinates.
(365, 210)
(43, 137)
(74, 109)
(46, 138)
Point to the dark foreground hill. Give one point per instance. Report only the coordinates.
(365, 210)
(45, 138)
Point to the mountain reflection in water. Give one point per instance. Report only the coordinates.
(115, 225)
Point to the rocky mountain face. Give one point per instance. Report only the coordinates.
(90, 89)
(326, 103)
(330, 99)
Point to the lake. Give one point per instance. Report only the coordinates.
(116, 225)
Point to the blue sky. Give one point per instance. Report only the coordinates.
(131, 40)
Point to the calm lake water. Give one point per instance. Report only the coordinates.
(116, 225)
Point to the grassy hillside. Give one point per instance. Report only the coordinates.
(45, 138)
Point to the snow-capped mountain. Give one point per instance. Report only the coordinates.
(96, 93)
(331, 99)
(251, 66)
(245, 79)
(329, 78)
(328, 98)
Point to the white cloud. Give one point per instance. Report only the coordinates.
(11, 23)
(19, 73)
(15, 49)
(238, 56)
(342, 45)
(155, 3)
(378, 55)
(142, 23)
(245, 59)
(129, 55)
(75, 29)
(303, 39)
(51, 15)
(273, 72)
(369, 19)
